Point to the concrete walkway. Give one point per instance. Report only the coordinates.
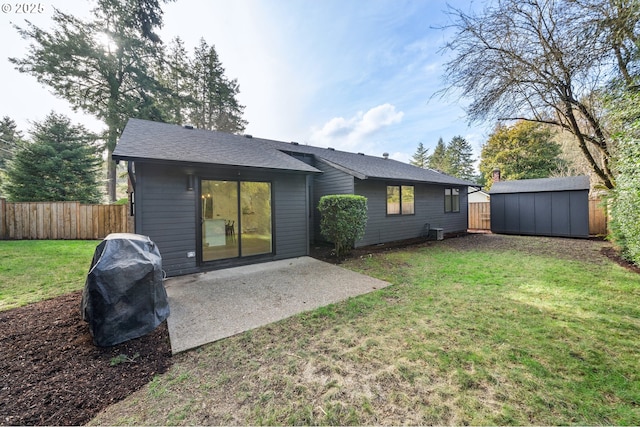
(206, 307)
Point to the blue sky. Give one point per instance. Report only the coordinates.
(357, 75)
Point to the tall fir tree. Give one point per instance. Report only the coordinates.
(460, 159)
(438, 159)
(61, 163)
(420, 157)
(174, 74)
(112, 81)
(10, 138)
(216, 106)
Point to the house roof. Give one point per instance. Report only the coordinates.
(370, 167)
(571, 183)
(143, 139)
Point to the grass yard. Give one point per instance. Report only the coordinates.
(477, 330)
(35, 270)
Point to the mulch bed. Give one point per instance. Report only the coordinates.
(51, 373)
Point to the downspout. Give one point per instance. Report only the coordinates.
(132, 184)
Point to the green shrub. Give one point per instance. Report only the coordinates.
(343, 220)
(625, 210)
(625, 202)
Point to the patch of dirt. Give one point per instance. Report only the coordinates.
(565, 248)
(614, 255)
(52, 374)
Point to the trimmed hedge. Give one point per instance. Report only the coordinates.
(625, 211)
(343, 220)
(624, 110)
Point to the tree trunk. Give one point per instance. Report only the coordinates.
(111, 177)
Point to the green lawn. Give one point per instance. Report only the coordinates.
(34, 270)
(477, 330)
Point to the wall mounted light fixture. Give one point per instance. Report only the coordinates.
(190, 181)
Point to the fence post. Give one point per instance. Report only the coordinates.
(3, 215)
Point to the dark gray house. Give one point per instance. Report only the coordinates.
(541, 207)
(211, 199)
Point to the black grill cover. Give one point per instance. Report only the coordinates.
(124, 297)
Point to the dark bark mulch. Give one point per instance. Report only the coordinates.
(52, 373)
(614, 255)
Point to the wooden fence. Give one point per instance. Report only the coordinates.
(61, 220)
(480, 217)
(598, 217)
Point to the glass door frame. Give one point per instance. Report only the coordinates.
(237, 260)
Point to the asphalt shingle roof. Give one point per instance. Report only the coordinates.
(142, 139)
(365, 166)
(541, 185)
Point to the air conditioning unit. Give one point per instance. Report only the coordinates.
(436, 233)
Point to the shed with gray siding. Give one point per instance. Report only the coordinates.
(541, 207)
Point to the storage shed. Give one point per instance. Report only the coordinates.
(541, 207)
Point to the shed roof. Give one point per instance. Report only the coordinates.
(571, 183)
(143, 139)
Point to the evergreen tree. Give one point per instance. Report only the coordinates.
(10, 138)
(112, 81)
(59, 164)
(460, 160)
(216, 106)
(522, 151)
(174, 74)
(420, 157)
(438, 159)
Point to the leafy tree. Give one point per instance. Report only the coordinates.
(10, 138)
(111, 81)
(216, 106)
(438, 159)
(60, 164)
(460, 160)
(522, 151)
(420, 157)
(545, 61)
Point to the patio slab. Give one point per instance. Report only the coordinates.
(206, 307)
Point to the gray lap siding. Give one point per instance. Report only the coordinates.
(166, 212)
(331, 181)
(429, 208)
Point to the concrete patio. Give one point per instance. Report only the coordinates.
(206, 307)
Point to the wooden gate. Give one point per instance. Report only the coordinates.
(480, 216)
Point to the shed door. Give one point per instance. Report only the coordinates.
(236, 219)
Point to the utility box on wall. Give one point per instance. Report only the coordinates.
(541, 207)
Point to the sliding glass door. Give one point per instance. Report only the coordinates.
(236, 219)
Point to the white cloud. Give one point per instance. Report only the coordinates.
(357, 130)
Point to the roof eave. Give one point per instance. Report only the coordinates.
(184, 163)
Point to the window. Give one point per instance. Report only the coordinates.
(400, 200)
(452, 200)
